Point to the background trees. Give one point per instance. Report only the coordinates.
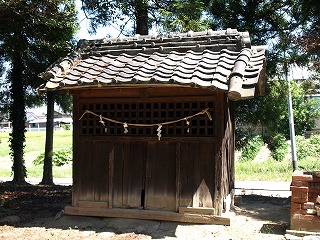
(33, 34)
(308, 41)
(138, 16)
(129, 17)
(289, 29)
(271, 111)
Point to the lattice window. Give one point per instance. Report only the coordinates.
(148, 113)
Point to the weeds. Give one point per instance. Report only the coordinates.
(251, 148)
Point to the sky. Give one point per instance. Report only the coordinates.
(84, 26)
(296, 72)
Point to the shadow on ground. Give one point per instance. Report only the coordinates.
(275, 210)
(36, 206)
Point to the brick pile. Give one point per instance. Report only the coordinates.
(305, 201)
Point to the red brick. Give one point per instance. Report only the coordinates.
(296, 194)
(300, 200)
(299, 197)
(308, 217)
(300, 184)
(306, 178)
(314, 190)
(301, 211)
(299, 189)
(312, 196)
(296, 206)
(317, 174)
(295, 216)
(305, 225)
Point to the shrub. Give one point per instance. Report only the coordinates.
(251, 149)
(307, 148)
(241, 142)
(242, 137)
(315, 143)
(66, 127)
(278, 146)
(303, 147)
(60, 157)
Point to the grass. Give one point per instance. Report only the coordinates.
(34, 146)
(35, 141)
(272, 170)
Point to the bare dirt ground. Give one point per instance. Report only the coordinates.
(28, 212)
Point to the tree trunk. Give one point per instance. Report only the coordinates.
(17, 116)
(47, 178)
(141, 15)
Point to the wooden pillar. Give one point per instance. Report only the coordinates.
(76, 133)
(224, 158)
(218, 181)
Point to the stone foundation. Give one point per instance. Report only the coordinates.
(305, 201)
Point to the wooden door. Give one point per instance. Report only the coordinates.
(128, 180)
(160, 192)
(92, 175)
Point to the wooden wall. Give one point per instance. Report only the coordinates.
(140, 172)
(145, 174)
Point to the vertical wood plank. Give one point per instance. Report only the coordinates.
(117, 174)
(133, 174)
(197, 181)
(197, 174)
(135, 167)
(205, 190)
(101, 171)
(186, 174)
(111, 174)
(229, 154)
(219, 152)
(231, 146)
(86, 188)
(75, 154)
(126, 172)
(128, 178)
(161, 176)
(178, 155)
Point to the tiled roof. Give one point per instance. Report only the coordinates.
(223, 60)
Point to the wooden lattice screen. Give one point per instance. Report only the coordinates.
(148, 113)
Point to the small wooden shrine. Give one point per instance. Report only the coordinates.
(154, 123)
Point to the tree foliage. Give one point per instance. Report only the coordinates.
(183, 16)
(271, 111)
(32, 35)
(308, 39)
(138, 16)
(289, 28)
(273, 23)
(131, 16)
